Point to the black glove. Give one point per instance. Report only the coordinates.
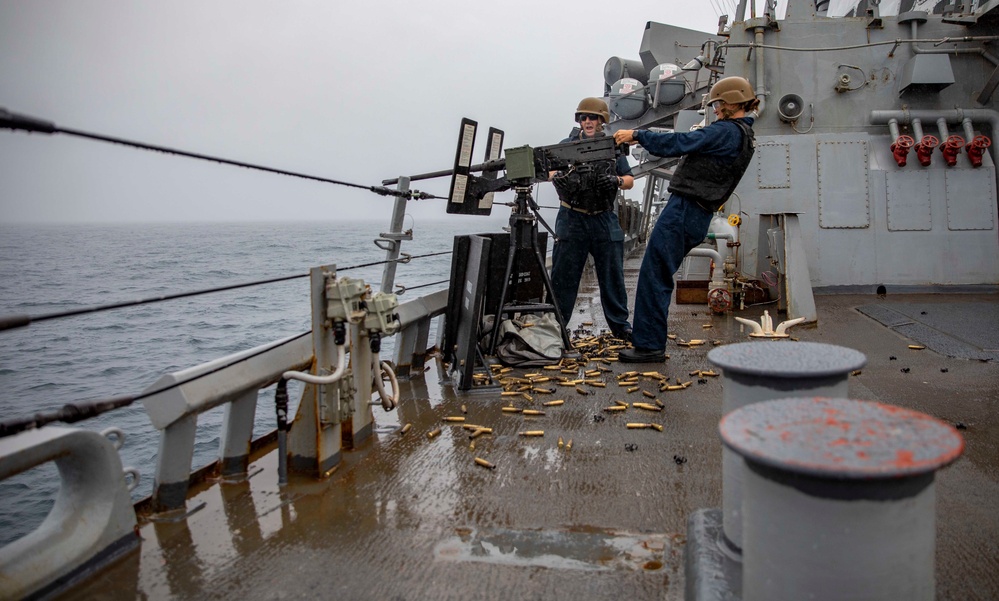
(561, 182)
(607, 183)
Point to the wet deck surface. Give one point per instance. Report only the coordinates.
(407, 517)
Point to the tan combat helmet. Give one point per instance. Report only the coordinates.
(733, 90)
(593, 106)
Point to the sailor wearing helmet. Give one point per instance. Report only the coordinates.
(714, 160)
(587, 225)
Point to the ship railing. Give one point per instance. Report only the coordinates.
(235, 382)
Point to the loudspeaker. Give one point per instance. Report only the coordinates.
(790, 107)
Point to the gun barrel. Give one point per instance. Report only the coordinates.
(487, 166)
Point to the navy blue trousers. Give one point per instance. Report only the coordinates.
(601, 236)
(681, 226)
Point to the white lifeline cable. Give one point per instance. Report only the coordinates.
(341, 367)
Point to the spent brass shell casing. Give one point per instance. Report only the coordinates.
(511, 410)
(709, 373)
(706, 325)
(591, 373)
(480, 432)
(582, 391)
(636, 426)
(484, 463)
(553, 403)
(616, 408)
(509, 393)
(660, 403)
(696, 373)
(671, 336)
(532, 433)
(627, 374)
(454, 418)
(505, 370)
(552, 367)
(917, 347)
(560, 443)
(568, 445)
(622, 403)
(471, 446)
(405, 428)
(632, 389)
(464, 409)
(855, 372)
(677, 387)
(471, 426)
(598, 384)
(532, 375)
(648, 394)
(652, 374)
(533, 412)
(658, 427)
(433, 433)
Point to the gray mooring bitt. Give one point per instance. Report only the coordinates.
(839, 498)
(760, 371)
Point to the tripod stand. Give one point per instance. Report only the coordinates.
(524, 236)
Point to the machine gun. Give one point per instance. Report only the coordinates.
(524, 165)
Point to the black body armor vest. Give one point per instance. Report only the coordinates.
(577, 188)
(709, 180)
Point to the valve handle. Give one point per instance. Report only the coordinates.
(734, 220)
(981, 142)
(954, 142)
(904, 141)
(929, 141)
(719, 300)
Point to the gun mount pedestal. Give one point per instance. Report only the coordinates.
(524, 237)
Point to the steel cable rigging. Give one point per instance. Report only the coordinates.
(9, 120)
(71, 413)
(15, 321)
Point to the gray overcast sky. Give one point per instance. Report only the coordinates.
(354, 91)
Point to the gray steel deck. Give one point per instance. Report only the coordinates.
(407, 517)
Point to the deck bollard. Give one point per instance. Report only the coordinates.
(761, 371)
(839, 498)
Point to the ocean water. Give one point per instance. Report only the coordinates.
(54, 268)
